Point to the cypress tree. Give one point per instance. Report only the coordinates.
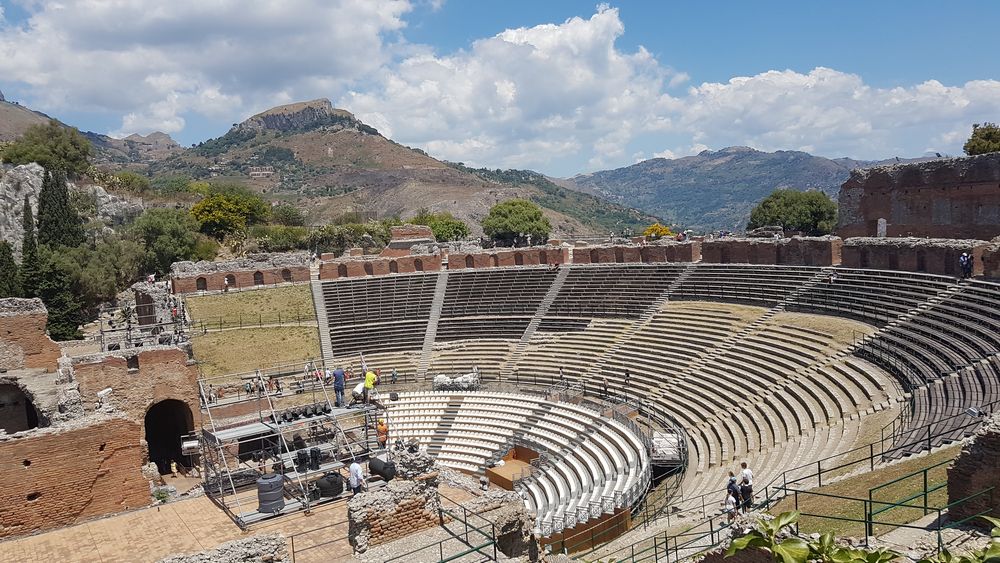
(58, 223)
(30, 269)
(55, 289)
(10, 286)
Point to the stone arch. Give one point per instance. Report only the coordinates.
(470, 262)
(258, 278)
(17, 412)
(369, 270)
(393, 267)
(201, 284)
(543, 257)
(418, 265)
(518, 259)
(619, 254)
(595, 256)
(165, 423)
(230, 280)
(342, 270)
(286, 275)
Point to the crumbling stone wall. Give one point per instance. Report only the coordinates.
(271, 548)
(990, 259)
(401, 508)
(60, 476)
(23, 341)
(505, 257)
(371, 266)
(403, 237)
(794, 251)
(664, 251)
(273, 269)
(955, 198)
(933, 256)
(163, 373)
(976, 469)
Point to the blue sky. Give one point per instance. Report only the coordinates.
(558, 86)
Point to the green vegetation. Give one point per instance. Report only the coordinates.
(444, 225)
(59, 224)
(30, 267)
(587, 209)
(985, 138)
(277, 155)
(167, 236)
(812, 212)
(279, 238)
(54, 286)
(131, 182)
(231, 351)
(988, 554)
(288, 215)
(769, 535)
(54, 146)
(291, 302)
(9, 283)
(511, 222)
(372, 235)
(228, 210)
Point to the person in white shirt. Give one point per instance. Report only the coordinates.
(746, 486)
(731, 504)
(356, 478)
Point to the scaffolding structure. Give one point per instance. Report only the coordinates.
(285, 425)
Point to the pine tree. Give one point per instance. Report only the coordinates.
(30, 270)
(10, 286)
(58, 223)
(55, 288)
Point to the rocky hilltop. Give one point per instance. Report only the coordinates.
(715, 189)
(302, 116)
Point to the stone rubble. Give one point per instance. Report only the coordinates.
(263, 548)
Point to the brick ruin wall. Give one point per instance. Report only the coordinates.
(62, 476)
(932, 256)
(955, 198)
(795, 251)
(493, 258)
(372, 266)
(162, 374)
(976, 469)
(272, 269)
(23, 342)
(401, 508)
(689, 251)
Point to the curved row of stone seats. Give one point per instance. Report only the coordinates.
(872, 296)
(612, 290)
(379, 299)
(575, 353)
(465, 328)
(458, 358)
(403, 361)
(377, 337)
(592, 462)
(496, 291)
(940, 408)
(743, 283)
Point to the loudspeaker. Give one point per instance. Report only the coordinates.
(301, 460)
(314, 454)
(393, 396)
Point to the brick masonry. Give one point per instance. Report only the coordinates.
(58, 478)
(401, 508)
(933, 256)
(689, 251)
(162, 373)
(23, 342)
(379, 266)
(955, 198)
(976, 469)
(795, 251)
(215, 281)
(991, 260)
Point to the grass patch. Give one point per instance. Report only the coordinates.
(238, 351)
(841, 331)
(858, 487)
(290, 304)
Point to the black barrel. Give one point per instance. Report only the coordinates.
(270, 496)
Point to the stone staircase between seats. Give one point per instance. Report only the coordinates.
(507, 369)
(322, 320)
(432, 325)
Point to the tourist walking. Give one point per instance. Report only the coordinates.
(746, 487)
(965, 262)
(393, 376)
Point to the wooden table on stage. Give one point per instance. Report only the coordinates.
(504, 476)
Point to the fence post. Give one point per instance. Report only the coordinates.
(925, 491)
(869, 525)
(819, 472)
(871, 455)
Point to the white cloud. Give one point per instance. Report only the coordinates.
(153, 62)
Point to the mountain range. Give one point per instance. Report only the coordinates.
(327, 162)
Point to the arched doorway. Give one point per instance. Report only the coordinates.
(286, 275)
(518, 259)
(166, 422)
(543, 257)
(342, 271)
(470, 262)
(230, 280)
(258, 278)
(418, 265)
(17, 412)
(393, 267)
(494, 261)
(201, 284)
(368, 269)
(595, 257)
(619, 254)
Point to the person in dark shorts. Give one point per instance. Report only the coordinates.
(746, 487)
